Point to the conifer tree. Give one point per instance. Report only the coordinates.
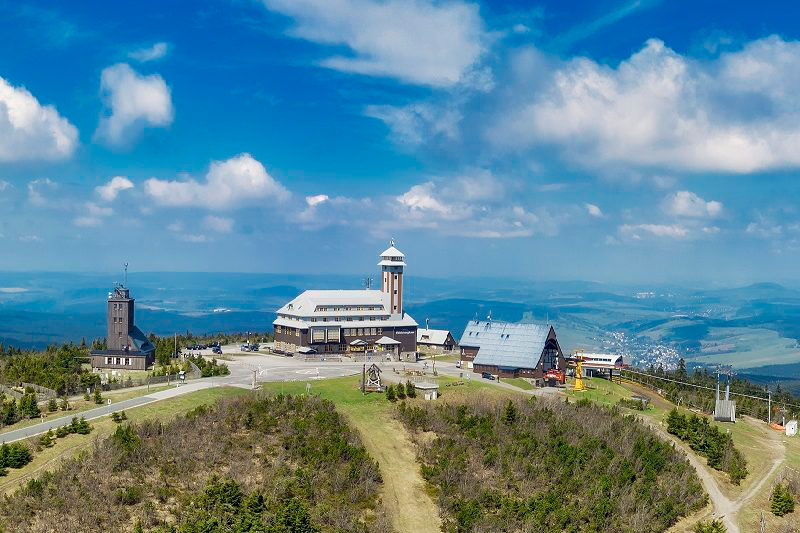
(510, 414)
(782, 502)
(98, 397)
(390, 395)
(411, 390)
(401, 391)
(52, 405)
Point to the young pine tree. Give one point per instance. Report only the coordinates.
(28, 405)
(781, 502)
(52, 405)
(411, 390)
(510, 414)
(98, 398)
(390, 395)
(64, 406)
(714, 526)
(401, 392)
(46, 440)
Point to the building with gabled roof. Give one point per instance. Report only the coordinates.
(435, 340)
(351, 321)
(509, 349)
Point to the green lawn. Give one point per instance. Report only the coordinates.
(599, 390)
(449, 357)
(518, 382)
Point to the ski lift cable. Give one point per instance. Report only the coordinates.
(704, 387)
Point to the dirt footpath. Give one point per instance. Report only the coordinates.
(410, 507)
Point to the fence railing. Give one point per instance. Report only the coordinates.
(151, 380)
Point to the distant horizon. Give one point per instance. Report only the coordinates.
(785, 283)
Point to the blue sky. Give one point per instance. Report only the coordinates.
(611, 141)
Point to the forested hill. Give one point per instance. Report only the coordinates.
(252, 464)
(542, 465)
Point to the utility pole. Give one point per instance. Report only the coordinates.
(769, 406)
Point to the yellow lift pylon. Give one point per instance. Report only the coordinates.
(579, 386)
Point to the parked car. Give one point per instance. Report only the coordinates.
(254, 347)
(244, 348)
(216, 349)
(487, 375)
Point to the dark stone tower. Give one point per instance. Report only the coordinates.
(120, 319)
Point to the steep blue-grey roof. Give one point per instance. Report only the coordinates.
(140, 341)
(506, 344)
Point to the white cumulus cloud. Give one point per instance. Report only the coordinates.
(593, 210)
(316, 199)
(235, 181)
(635, 231)
(737, 113)
(474, 205)
(29, 130)
(150, 53)
(38, 189)
(423, 42)
(111, 190)
(133, 102)
(91, 215)
(688, 204)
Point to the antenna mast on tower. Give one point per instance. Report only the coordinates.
(126, 275)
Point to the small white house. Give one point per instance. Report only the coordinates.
(791, 428)
(429, 391)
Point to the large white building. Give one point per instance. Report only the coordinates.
(351, 321)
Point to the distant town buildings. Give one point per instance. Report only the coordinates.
(509, 349)
(126, 346)
(351, 321)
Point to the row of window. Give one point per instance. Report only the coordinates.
(287, 330)
(349, 318)
(362, 331)
(338, 318)
(127, 361)
(349, 308)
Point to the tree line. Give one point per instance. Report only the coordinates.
(59, 368)
(704, 398)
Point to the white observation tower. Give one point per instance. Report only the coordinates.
(392, 263)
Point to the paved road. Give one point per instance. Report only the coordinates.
(243, 367)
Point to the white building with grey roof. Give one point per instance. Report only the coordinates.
(351, 321)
